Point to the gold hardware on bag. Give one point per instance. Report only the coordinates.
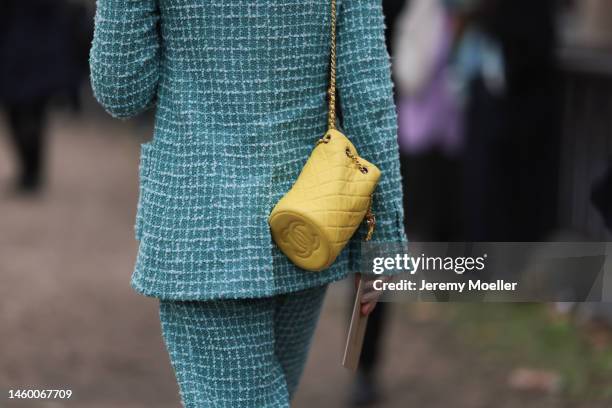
(315, 220)
(355, 160)
(371, 221)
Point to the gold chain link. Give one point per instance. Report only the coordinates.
(331, 116)
(355, 160)
(370, 221)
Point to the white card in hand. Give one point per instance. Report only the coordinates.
(357, 328)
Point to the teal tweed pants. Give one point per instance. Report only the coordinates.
(243, 353)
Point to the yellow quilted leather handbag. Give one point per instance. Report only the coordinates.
(331, 197)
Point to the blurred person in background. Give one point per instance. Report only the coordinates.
(507, 59)
(479, 92)
(43, 58)
(239, 90)
(430, 121)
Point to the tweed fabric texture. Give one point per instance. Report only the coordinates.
(239, 88)
(240, 352)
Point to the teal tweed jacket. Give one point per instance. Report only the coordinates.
(239, 90)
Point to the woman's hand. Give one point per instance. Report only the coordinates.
(370, 296)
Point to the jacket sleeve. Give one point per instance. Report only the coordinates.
(368, 110)
(125, 56)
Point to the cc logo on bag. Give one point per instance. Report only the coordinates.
(301, 238)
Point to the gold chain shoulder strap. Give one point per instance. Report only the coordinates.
(331, 115)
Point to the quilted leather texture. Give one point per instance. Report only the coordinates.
(314, 221)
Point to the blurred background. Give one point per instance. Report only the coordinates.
(505, 114)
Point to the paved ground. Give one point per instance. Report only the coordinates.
(68, 318)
